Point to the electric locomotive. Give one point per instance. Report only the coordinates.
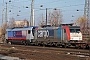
(59, 36)
(20, 35)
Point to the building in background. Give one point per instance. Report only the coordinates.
(21, 23)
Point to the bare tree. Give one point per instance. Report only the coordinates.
(3, 28)
(81, 21)
(42, 21)
(3, 31)
(12, 23)
(55, 18)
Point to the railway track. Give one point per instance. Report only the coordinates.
(69, 51)
(29, 51)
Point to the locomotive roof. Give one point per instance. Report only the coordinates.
(74, 26)
(71, 27)
(67, 24)
(18, 29)
(49, 28)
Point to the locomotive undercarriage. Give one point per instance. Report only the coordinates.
(51, 42)
(60, 43)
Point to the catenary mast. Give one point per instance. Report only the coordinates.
(87, 13)
(32, 22)
(86, 28)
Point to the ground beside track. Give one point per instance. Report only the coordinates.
(43, 53)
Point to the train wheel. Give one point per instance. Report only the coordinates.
(6, 42)
(64, 45)
(44, 44)
(25, 43)
(36, 43)
(9, 43)
(87, 46)
(39, 44)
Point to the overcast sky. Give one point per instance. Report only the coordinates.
(68, 9)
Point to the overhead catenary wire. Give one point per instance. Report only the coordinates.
(49, 2)
(71, 5)
(15, 5)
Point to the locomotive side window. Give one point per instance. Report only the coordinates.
(29, 31)
(64, 31)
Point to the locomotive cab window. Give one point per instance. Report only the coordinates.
(78, 30)
(33, 32)
(72, 30)
(29, 31)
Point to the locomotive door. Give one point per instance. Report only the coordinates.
(30, 35)
(64, 35)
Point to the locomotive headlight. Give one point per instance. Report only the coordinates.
(80, 38)
(71, 38)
